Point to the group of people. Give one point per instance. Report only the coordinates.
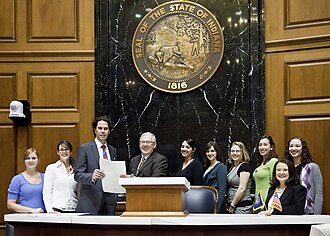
(292, 185)
(35, 192)
(76, 186)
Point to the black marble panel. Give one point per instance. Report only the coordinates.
(229, 107)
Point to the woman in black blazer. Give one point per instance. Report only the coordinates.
(191, 167)
(286, 188)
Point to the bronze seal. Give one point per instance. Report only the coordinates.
(177, 46)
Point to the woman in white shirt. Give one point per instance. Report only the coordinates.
(60, 188)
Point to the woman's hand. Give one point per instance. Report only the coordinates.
(231, 209)
(265, 213)
(37, 210)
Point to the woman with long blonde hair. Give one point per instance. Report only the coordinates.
(239, 180)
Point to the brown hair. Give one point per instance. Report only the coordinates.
(68, 145)
(306, 157)
(292, 180)
(216, 148)
(272, 153)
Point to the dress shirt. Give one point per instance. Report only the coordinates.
(100, 149)
(141, 163)
(145, 157)
(59, 188)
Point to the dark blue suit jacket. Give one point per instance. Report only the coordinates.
(91, 194)
(217, 178)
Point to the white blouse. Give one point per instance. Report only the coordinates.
(60, 188)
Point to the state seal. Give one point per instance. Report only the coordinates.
(177, 46)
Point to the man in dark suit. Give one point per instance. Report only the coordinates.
(149, 163)
(92, 198)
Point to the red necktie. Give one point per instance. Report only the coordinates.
(105, 156)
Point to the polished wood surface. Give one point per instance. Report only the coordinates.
(57, 92)
(301, 107)
(306, 80)
(296, 24)
(155, 201)
(47, 58)
(8, 15)
(7, 166)
(297, 64)
(51, 28)
(47, 25)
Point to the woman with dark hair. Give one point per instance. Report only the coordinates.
(60, 188)
(215, 174)
(285, 196)
(308, 172)
(267, 158)
(191, 167)
(239, 199)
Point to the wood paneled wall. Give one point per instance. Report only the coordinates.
(297, 35)
(47, 58)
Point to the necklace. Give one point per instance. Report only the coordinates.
(280, 190)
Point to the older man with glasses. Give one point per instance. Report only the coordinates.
(149, 163)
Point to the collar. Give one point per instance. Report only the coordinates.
(99, 144)
(59, 164)
(215, 164)
(145, 157)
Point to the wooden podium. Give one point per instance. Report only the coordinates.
(155, 196)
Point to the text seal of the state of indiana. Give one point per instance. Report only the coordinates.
(178, 46)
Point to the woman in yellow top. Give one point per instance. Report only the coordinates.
(263, 174)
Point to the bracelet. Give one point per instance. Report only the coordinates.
(232, 206)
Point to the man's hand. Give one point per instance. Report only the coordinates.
(98, 174)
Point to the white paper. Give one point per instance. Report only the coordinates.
(113, 170)
(320, 230)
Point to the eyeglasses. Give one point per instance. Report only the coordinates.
(146, 142)
(64, 150)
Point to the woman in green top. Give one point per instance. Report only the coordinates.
(267, 158)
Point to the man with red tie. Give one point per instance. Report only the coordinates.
(92, 198)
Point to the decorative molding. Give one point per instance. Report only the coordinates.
(53, 97)
(32, 37)
(310, 92)
(11, 84)
(13, 37)
(293, 44)
(19, 56)
(303, 23)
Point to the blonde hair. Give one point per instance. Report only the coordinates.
(29, 151)
(245, 154)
